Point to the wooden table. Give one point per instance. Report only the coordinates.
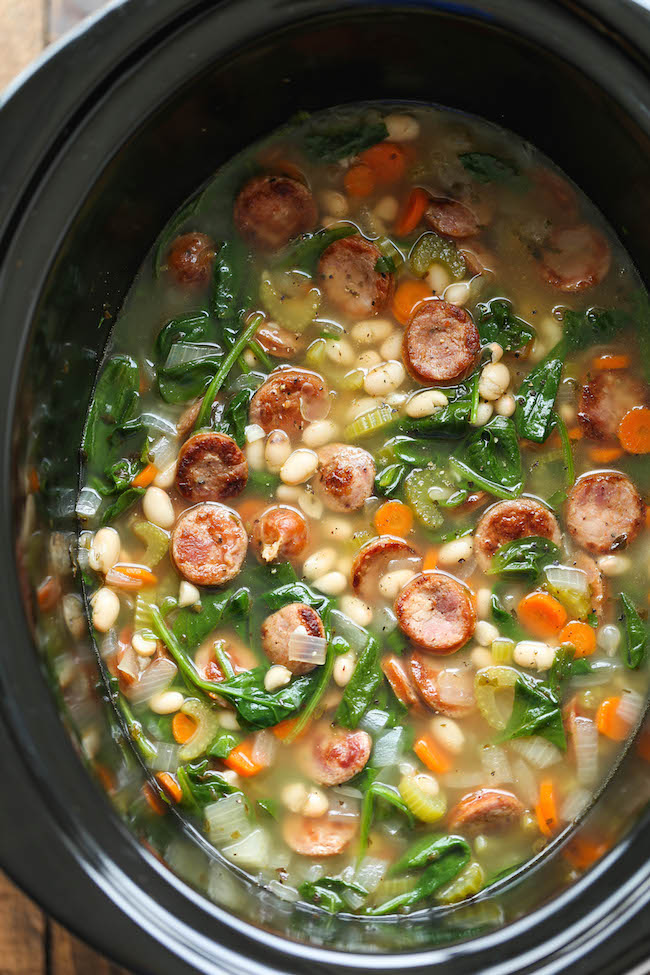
(30, 942)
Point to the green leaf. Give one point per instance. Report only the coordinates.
(271, 807)
(497, 323)
(535, 711)
(565, 666)
(636, 635)
(303, 254)
(358, 694)
(329, 893)
(201, 785)
(524, 558)
(387, 793)
(111, 437)
(234, 418)
(486, 168)
(223, 744)
(330, 139)
(388, 481)
(385, 265)
(443, 857)
(506, 622)
(191, 627)
(125, 501)
(535, 412)
(591, 327)
(490, 459)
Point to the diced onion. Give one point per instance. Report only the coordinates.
(585, 736)
(163, 451)
(184, 352)
(566, 577)
(388, 748)
(226, 820)
(350, 631)
(166, 758)
(128, 665)
(88, 503)
(575, 804)
(384, 620)
(370, 873)
(283, 891)
(156, 678)
(161, 424)
(524, 781)
(487, 682)
(207, 726)
(629, 707)
(348, 791)
(253, 851)
(108, 646)
(306, 648)
(537, 751)
(601, 672)
(373, 721)
(495, 764)
(264, 748)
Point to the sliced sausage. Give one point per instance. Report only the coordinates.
(209, 544)
(575, 258)
(288, 400)
(323, 837)
(190, 258)
(398, 676)
(449, 691)
(277, 629)
(440, 342)
(604, 401)
(508, 520)
(595, 581)
(349, 280)
(270, 210)
(280, 533)
(333, 755)
(451, 218)
(604, 512)
(487, 810)
(555, 194)
(479, 259)
(374, 560)
(436, 612)
(211, 467)
(346, 477)
(278, 341)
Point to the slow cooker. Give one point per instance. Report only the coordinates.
(98, 145)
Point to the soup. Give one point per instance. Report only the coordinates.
(364, 508)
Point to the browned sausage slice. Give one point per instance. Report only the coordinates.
(323, 837)
(401, 681)
(209, 544)
(575, 258)
(555, 194)
(605, 400)
(190, 258)
(277, 629)
(377, 557)
(486, 810)
(508, 520)
(604, 512)
(278, 341)
(279, 533)
(440, 342)
(436, 612)
(288, 400)
(348, 277)
(447, 690)
(270, 210)
(211, 467)
(346, 477)
(333, 756)
(451, 218)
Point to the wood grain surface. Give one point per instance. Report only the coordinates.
(30, 942)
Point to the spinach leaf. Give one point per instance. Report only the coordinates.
(122, 503)
(186, 378)
(636, 635)
(234, 418)
(271, 807)
(565, 666)
(506, 622)
(443, 858)
(114, 404)
(535, 711)
(223, 744)
(497, 323)
(591, 327)
(358, 694)
(298, 592)
(450, 422)
(239, 344)
(321, 685)
(389, 480)
(524, 557)
(486, 168)
(304, 253)
(191, 627)
(490, 459)
(231, 280)
(195, 327)
(186, 381)
(535, 412)
(378, 790)
(201, 785)
(329, 893)
(328, 140)
(567, 452)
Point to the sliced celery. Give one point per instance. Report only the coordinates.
(369, 422)
(430, 249)
(156, 541)
(290, 299)
(426, 808)
(468, 882)
(487, 682)
(422, 490)
(502, 650)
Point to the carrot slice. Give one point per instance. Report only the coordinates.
(125, 576)
(240, 760)
(430, 560)
(582, 853)
(634, 430)
(605, 455)
(359, 180)
(394, 518)
(611, 361)
(643, 744)
(48, 593)
(183, 727)
(387, 161)
(432, 755)
(145, 477)
(154, 802)
(575, 433)
(407, 296)
(284, 729)
(546, 808)
(609, 721)
(581, 636)
(412, 212)
(542, 614)
(170, 786)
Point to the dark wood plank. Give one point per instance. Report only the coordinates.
(69, 956)
(22, 933)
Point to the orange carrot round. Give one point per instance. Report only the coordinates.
(241, 760)
(609, 721)
(430, 560)
(154, 801)
(582, 853)
(124, 576)
(611, 361)
(605, 455)
(145, 477)
(359, 180)
(634, 430)
(407, 295)
(581, 636)
(546, 808)
(387, 161)
(432, 755)
(412, 212)
(394, 518)
(170, 786)
(183, 727)
(542, 614)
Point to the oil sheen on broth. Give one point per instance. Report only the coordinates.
(365, 507)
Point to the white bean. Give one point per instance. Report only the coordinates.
(483, 414)
(344, 669)
(385, 378)
(229, 720)
(288, 493)
(391, 348)
(371, 331)
(532, 653)
(158, 508)
(276, 450)
(319, 562)
(457, 293)
(481, 657)
(368, 359)
(311, 505)
(505, 405)
(387, 208)
(614, 565)
(438, 278)
(339, 351)
(402, 128)
(485, 633)
(167, 702)
(392, 583)
(494, 381)
(397, 399)
(448, 733)
(73, 615)
(188, 595)
(567, 412)
(360, 406)
(484, 602)
(253, 432)
(335, 203)
(250, 358)
(426, 403)
(255, 455)
(358, 611)
(299, 466)
(106, 608)
(294, 796)
(338, 528)
(332, 583)
(458, 550)
(165, 479)
(320, 432)
(316, 804)
(104, 550)
(276, 676)
(496, 351)
(142, 646)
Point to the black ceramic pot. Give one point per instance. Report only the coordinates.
(98, 146)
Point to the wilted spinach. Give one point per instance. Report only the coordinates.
(636, 635)
(329, 893)
(442, 857)
(489, 458)
(524, 558)
(486, 168)
(535, 711)
(328, 140)
(365, 681)
(497, 323)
